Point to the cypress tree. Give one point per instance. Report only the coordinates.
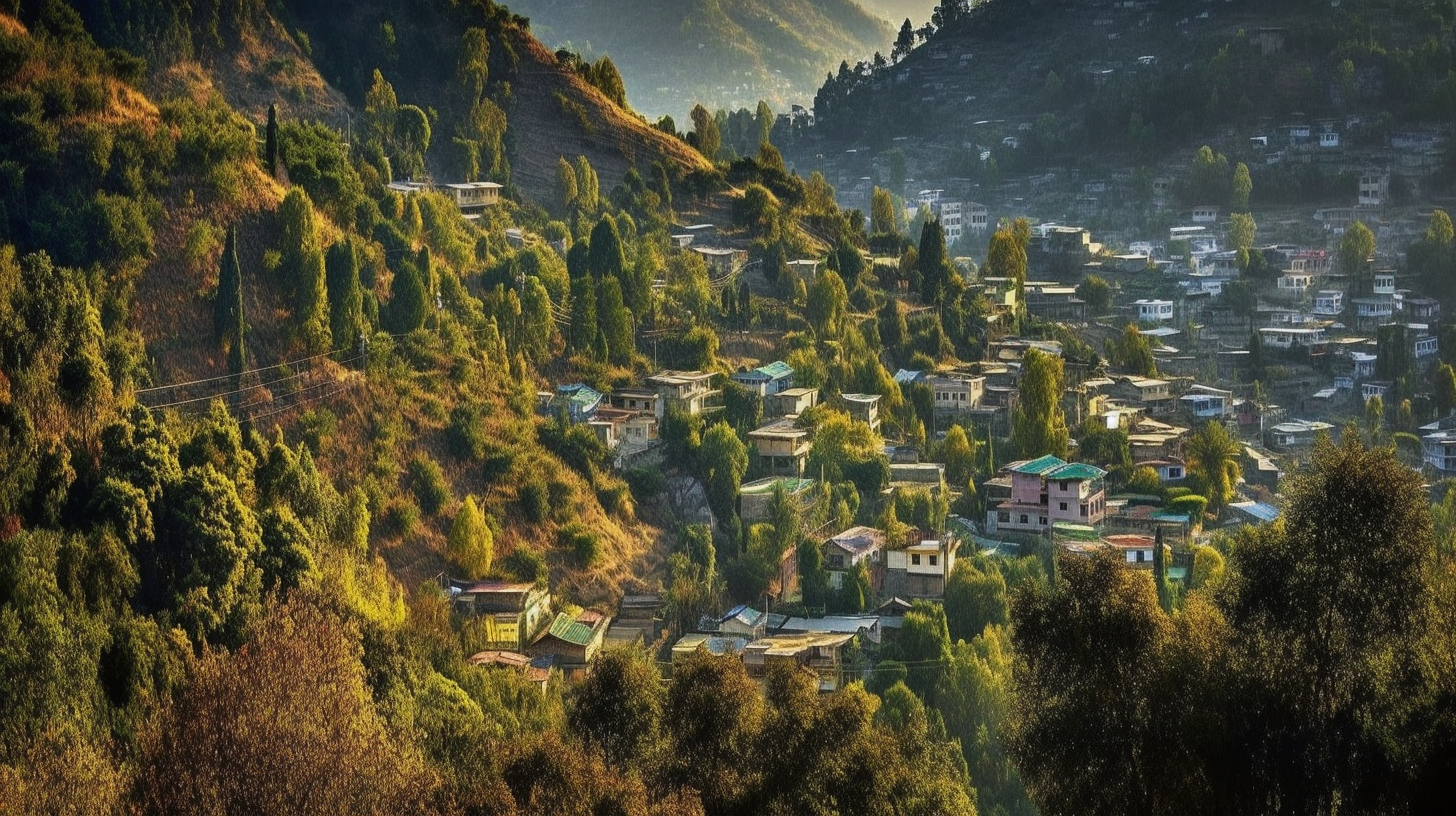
(583, 315)
(407, 308)
(270, 144)
(1160, 572)
(228, 307)
(346, 298)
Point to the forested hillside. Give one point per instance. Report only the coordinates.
(725, 53)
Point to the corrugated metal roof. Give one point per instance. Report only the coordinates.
(1076, 470)
(572, 630)
(1037, 467)
(776, 369)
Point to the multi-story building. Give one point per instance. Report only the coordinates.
(782, 447)
(1048, 490)
(691, 391)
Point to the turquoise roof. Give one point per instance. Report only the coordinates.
(776, 370)
(1038, 467)
(1076, 471)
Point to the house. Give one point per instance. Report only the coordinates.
(864, 407)
(773, 378)
(637, 399)
(712, 644)
(1169, 470)
(1047, 490)
(1424, 309)
(782, 447)
(1296, 433)
(720, 262)
(1362, 365)
(920, 570)
(1329, 303)
(1056, 303)
(791, 401)
(1288, 338)
(818, 652)
(866, 628)
(578, 400)
(1383, 283)
(1374, 188)
(1154, 397)
(1254, 513)
(1329, 138)
(1439, 448)
(755, 497)
(905, 377)
(957, 394)
(1154, 311)
(691, 391)
(539, 676)
(743, 620)
(978, 218)
(1295, 282)
(473, 196)
(1207, 402)
(857, 545)
(1370, 389)
(1372, 311)
(509, 615)
(572, 640)
(1204, 214)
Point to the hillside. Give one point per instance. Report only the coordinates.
(722, 53)
(1097, 86)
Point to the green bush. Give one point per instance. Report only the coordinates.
(646, 483)
(466, 433)
(616, 499)
(584, 545)
(534, 500)
(525, 564)
(427, 481)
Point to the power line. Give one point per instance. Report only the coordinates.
(246, 388)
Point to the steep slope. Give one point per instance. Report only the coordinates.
(1076, 80)
(724, 53)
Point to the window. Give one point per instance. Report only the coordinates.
(915, 559)
(1084, 509)
(1004, 518)
(1063, 507)
(1175, 473)
(836, 561)
(1023, 518)
(934, 559)
(1043, 521)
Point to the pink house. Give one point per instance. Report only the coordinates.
(1048, 490)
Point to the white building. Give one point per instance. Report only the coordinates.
(1154, 311)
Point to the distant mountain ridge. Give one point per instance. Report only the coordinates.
(723, 53)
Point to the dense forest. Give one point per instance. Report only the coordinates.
(255, 402)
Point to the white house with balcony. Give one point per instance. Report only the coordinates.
(1154, 311)
(1329, 303)
(1281, 337)
(1207, 402)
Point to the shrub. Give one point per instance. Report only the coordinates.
(429, 485)
(524, 564)
(584, 545)
(534, 500)
(646, 483)
(466, 433)
(616, 499)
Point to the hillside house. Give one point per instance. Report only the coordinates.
(1154, 311)
(819, 652)
(920, 570)
(572, 641)
(691, 391)
(957, 393)
(720, 262)
(1374, 188)
(782, 447)
(765, 380)
(1056, 303)
(1423, 309)
(1205, 214)
(1295, 283)
(1296, 433)
(1329, 303)
(510, 614)
(1207, 402)
(864, 407)
(1136, 550)
(978, 219)
(1372, 311)
(791, 401)
(1047, 490)
(1288, 338)
(637, 399)
(1154, 397)
(743, 620)
(1439, 449)
(473, 196)
(857, 545)
(755, 497)
(696, 642)
(1169, 470)
(579, 401)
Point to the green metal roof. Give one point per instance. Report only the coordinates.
(791, 485)
(1079, 532)
(1038, 467)
(570, 630)
(776, 369)
(1075, 471)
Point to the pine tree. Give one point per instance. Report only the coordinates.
(1160, 572)
(583, 315)
(228, 306)
(615, 321)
